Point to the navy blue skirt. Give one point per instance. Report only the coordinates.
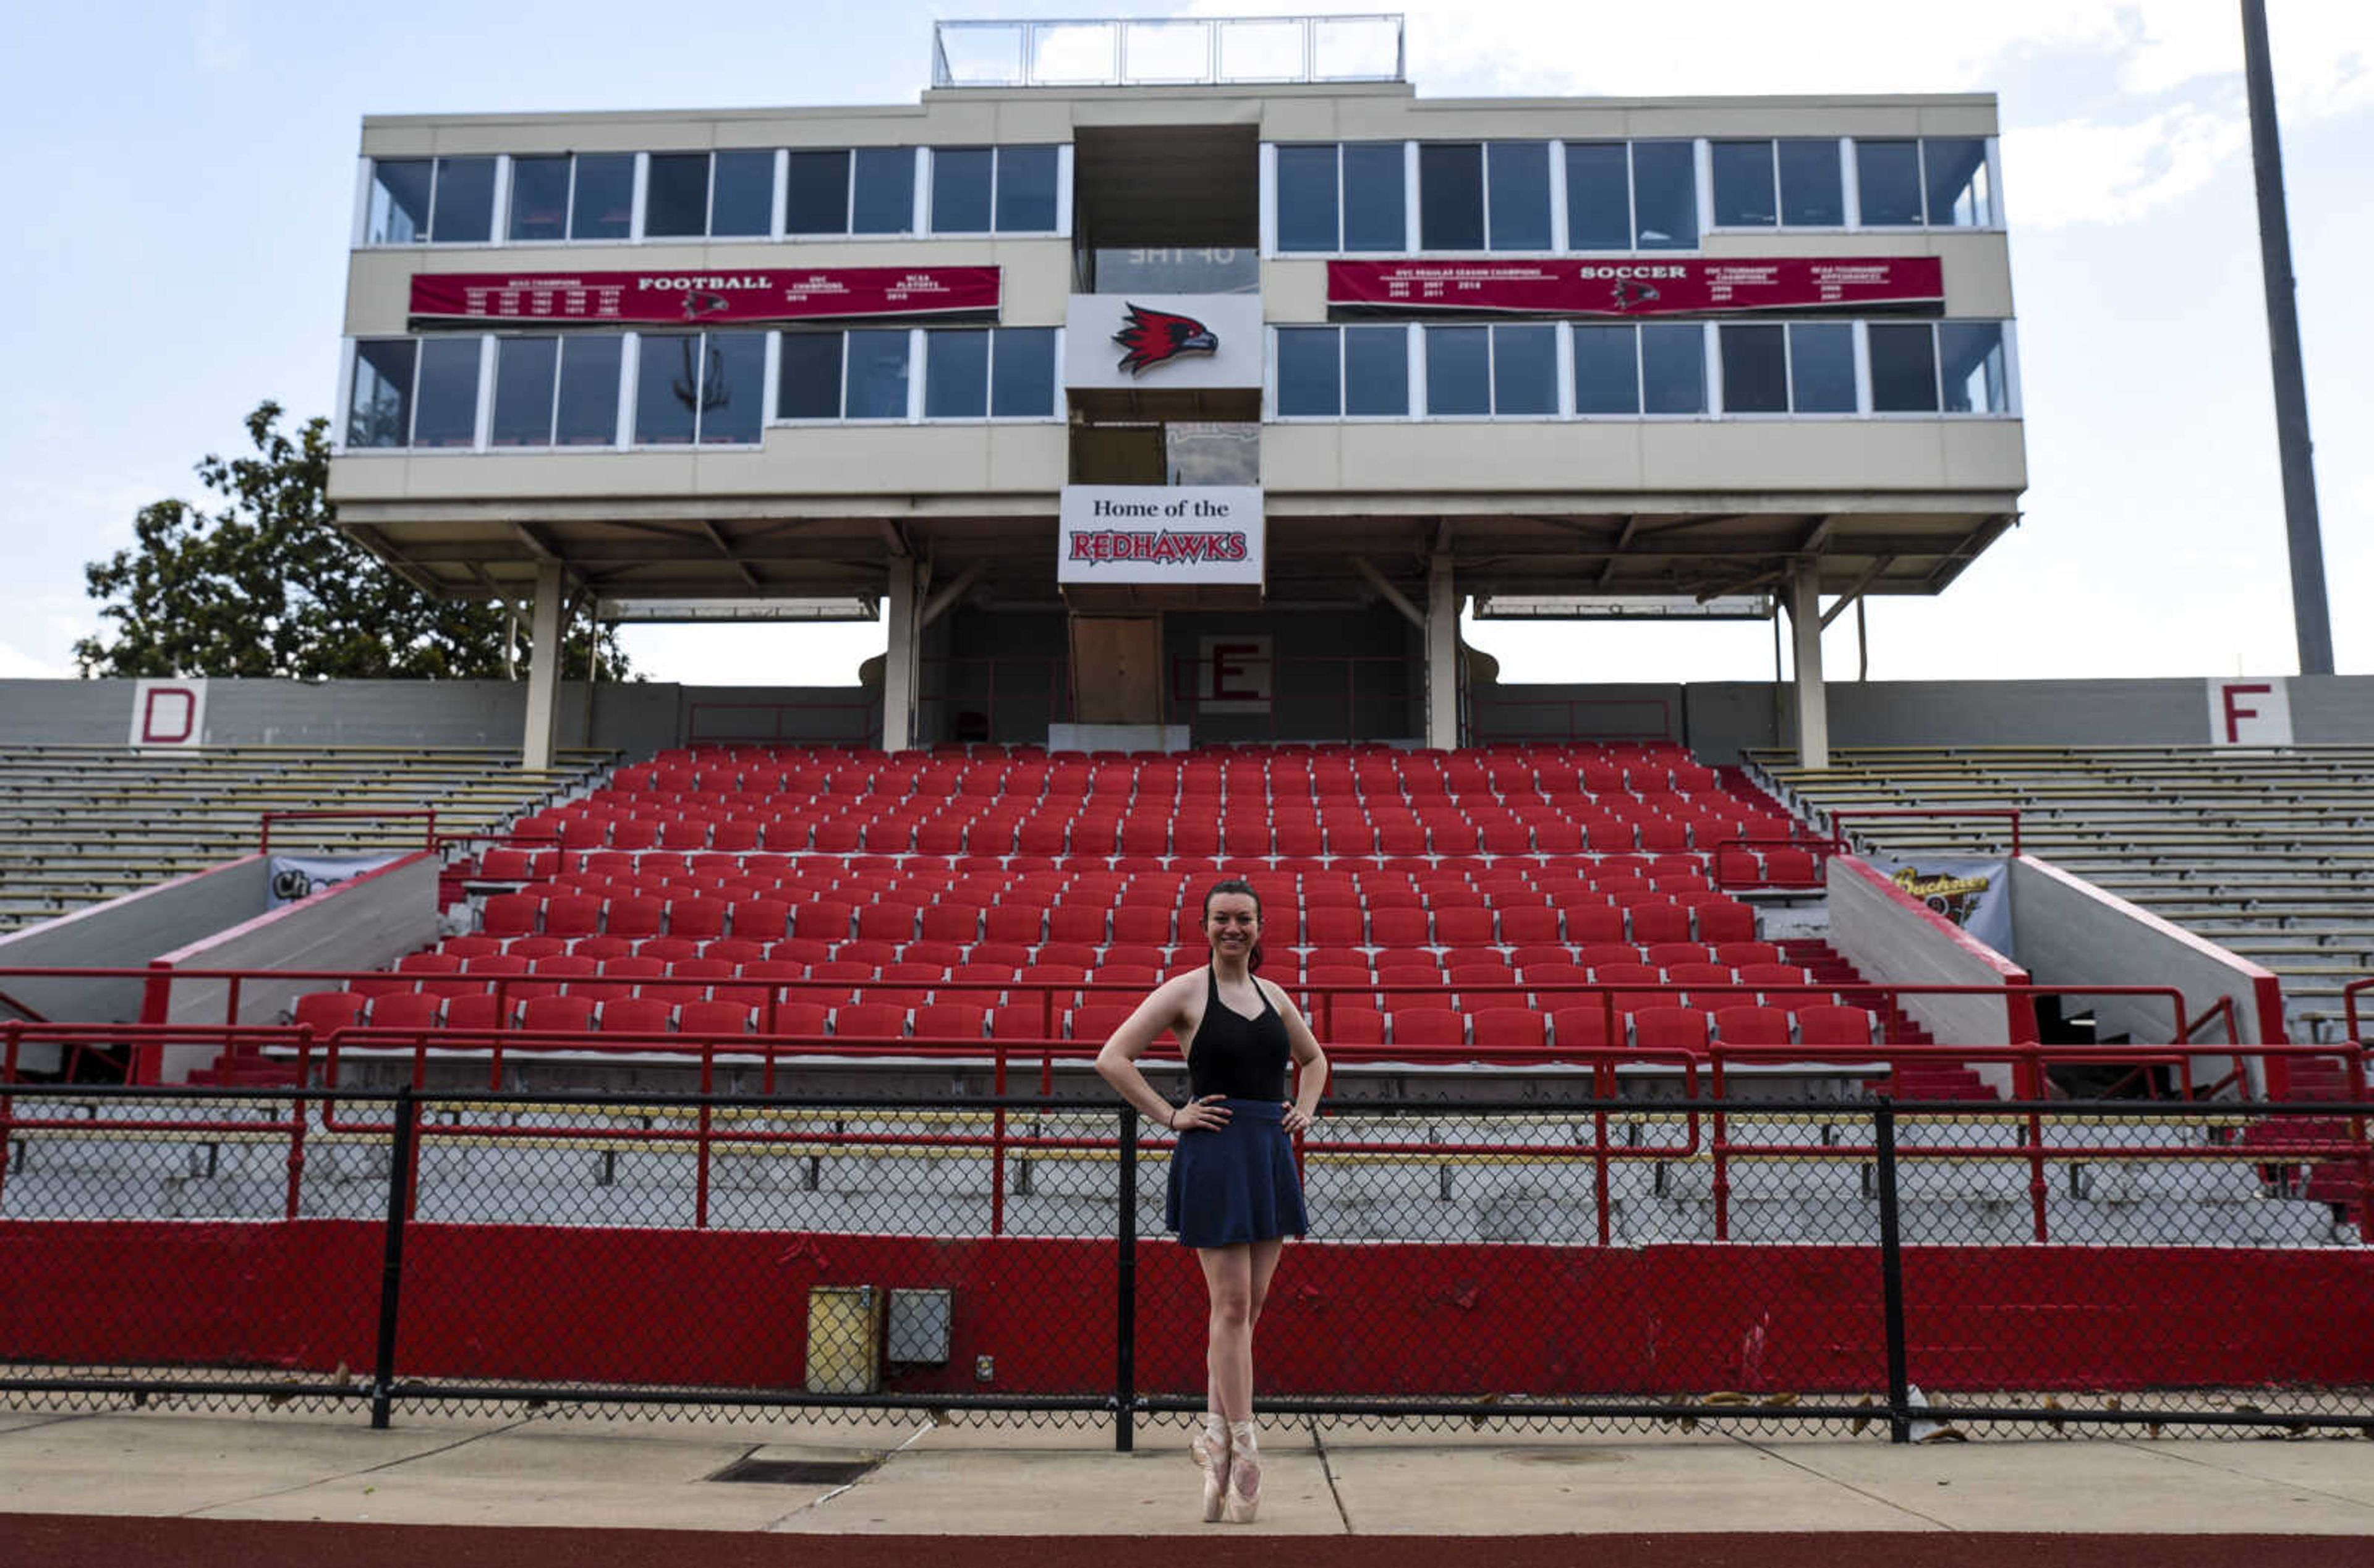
(1237, 1183)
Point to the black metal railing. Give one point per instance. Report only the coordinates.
(1472, 1259)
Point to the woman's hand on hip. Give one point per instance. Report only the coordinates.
(1294, 1121)
(1207, 1114)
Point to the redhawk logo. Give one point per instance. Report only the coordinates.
(1628, 294)
(702, 302)
(1153, 337)
(1163, 546)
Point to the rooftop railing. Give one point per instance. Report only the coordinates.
(1166, 51)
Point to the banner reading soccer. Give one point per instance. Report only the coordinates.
(707, 298)
(1640, 286)
(1160, 533)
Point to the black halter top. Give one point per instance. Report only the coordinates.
(1233, 1054)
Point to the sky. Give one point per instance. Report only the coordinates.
(181, 178)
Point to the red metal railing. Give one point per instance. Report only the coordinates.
(1701, 1111)
(2349, 995)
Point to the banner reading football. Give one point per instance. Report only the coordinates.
(1632, 287)
(719, 299)
(1155, 533)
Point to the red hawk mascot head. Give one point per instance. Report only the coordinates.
(1155, 338)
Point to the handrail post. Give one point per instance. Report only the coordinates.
(1891, 1277)
(391, 1281)
(1125, 1292)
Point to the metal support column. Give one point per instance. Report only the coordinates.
(1813, 700)
(542, 669)
(1442, 656)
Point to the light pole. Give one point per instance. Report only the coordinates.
(2311, 616)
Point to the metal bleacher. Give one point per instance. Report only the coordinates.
(79, 824)
(2267, 851)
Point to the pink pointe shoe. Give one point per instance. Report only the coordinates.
(1211, 1450)
(1244, 1475)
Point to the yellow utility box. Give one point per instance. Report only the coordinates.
(844, 1340)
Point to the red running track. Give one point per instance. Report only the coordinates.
(56, 1540)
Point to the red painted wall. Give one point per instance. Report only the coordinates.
(728, 1308)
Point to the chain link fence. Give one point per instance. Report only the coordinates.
(1923, 1271)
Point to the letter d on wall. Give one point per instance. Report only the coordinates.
(169, 713)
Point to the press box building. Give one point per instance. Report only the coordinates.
(1182, 373)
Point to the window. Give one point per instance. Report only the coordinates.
(1970, 355)
(1000, 190)
(1673, 369)
(1903, 368)
(586, 411)
(1743, 186)
(703, 387)
(724, 195)
(1598, 196)
(676, 195)
(445, 398)
(1606, 371)
(808, 377)
(1509, 370)
(1325, 372)
(602, 205)
(1821, 367)
(877, 385)
(1517, 177)
(816, 198)
(445, 201)
(1025, 191)
(379, 405)
(1451, 196)
(1309, 371)
(1346, 198)
(526, 370)
(1665, 196)
(1887, 182)
(1754, 369)
(1955, 179)
(1812, 193)
(540, 198)
(742, 195)
(883, 190)
(1022, 373)
(956, 375)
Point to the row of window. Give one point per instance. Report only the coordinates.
(1556, 370)
(753, 193)
(1647, 196)
(680, 389)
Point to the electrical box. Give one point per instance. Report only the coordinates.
(920, 1327)
(844, 1340)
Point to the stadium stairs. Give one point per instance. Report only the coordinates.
(898, 879)
(2267, 853)
(81, 824)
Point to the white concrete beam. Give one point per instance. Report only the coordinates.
(542, 669)
(1442, 656)
(1813, 700)
(898, 660)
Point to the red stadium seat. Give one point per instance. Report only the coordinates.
(1670, 1029)
(557, 1014)
(1593, 922)
(325, 1011)
(1429, 1027)
(1660, 922)
(828, 921)
(1751, 1025)
(510, 915)
(405, 1009)
(1832, 1025)
(1736, 953)
(951, 1020)
(1509, 1028)
(890, 922)
(1351, 1024)
(798, 1018)
(868, 1021)
(632, 917)
(1580, 1027)
(637, 1016)
(1464, 927)
(1399, 928)
(1726, 921)
(484, 1010)
(1096, 1021)
(699, 920)
(759, 920)
(712, 1018)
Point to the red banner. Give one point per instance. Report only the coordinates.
(703, 297)
(1639, 285)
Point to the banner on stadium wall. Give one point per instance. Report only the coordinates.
(1972, 893)
(1160, 533)
(701, 298)
(1639, 286)
(301, 876)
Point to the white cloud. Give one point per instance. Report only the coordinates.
(2081, 171)
(19, 666)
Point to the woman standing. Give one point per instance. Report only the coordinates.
(1234, 1193)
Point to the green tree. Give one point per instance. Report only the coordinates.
(268, 586)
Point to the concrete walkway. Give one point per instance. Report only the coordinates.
(925, 1479)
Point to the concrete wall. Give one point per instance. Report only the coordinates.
(123, 933)
(1893, 938)
(2077, 933)
(366, 922)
